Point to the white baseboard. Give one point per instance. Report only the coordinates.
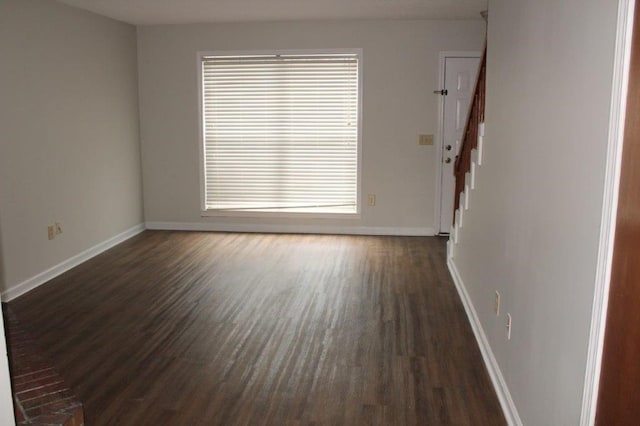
(291, 229)
(54, 271)
(504, 396)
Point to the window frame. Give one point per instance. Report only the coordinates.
(204, 212)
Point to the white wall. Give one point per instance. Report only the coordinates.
(533, 225)
(69, 149)
(400, 65)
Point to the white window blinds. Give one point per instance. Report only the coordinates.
(280, 133)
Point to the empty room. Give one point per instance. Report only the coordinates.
(402, 212)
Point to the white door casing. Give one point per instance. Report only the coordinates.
(458, 77)
(6, 399)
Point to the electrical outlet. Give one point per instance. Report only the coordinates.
(58, 228)
(51, 232)
(371, 200)
(508, 326)
(496, 303)
(425, 140)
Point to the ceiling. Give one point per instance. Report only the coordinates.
(147, 12)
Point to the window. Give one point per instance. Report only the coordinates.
(280, 132)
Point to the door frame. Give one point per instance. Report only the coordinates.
(440, 131)
(617, 112)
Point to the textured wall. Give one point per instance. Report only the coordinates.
(533, 227)
(70, 149)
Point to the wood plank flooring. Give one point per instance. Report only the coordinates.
(185, 328)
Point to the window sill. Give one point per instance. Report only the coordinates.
(277, 215)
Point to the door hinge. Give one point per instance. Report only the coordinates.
(443, 92)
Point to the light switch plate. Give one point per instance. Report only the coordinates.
(425, 140)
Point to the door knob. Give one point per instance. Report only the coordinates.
(448, 147)
(448, 160)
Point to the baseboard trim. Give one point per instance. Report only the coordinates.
(504, 396)
(291, 229)
(54, 271)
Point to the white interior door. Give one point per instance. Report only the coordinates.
(459, 82)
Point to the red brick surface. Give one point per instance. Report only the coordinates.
(40, 396)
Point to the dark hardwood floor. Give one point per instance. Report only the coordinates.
(178, 328)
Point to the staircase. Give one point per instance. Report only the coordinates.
(470, 156)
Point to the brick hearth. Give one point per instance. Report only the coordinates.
(40, 396)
